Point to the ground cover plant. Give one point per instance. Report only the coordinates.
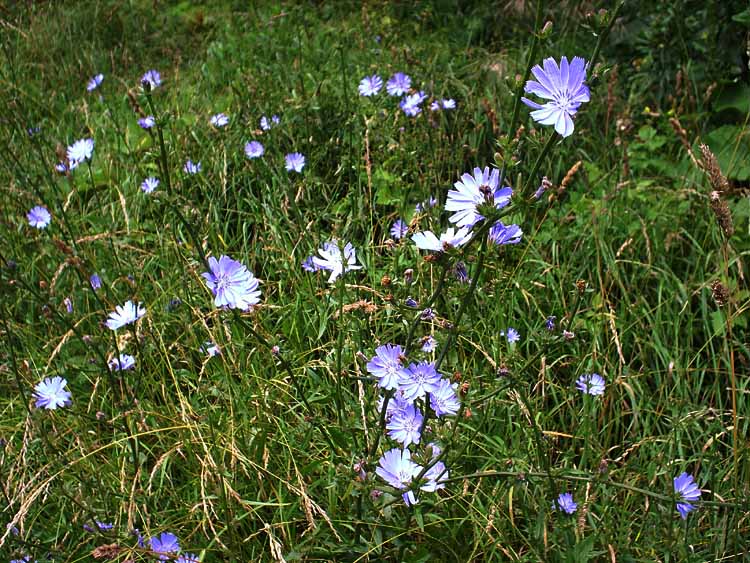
(429, 281)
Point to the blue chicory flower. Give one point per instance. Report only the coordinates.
(39, 217)
(370, 85)
(564, 87)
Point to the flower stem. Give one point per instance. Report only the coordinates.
(339, 351)
(467, 297)
(530, 180)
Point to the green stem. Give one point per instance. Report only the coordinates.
(287, 368)
(529, 63)
(537, 164)
(467, 297)
(339, 350)
(418, 317)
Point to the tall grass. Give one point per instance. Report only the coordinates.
(268, 450)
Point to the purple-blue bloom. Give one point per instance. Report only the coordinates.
(152, 78)
(450, 103)
(451, 238)
(436, 477)
(336, 260)
(461, 273)
(398, 84)
(124, 362)
(511, 335)
(295, 161)
(188, 558)
(418, 380)
(550, 323)
(68, 305)
(51, 393)
(370, 85)
(219, 120)
(232, 284)
(164, 544)
(264, 124)
(565, 503)
(150, 184)
(79, 151)
(387, 366)
(396, 404)
(39, 217)
(399, 229)
(505, 234)
(405, 425)
(94, 83)
(95, 281)
(687, 491)
(397, 469)
(432, 202)
(473, 191)
(254, 149)
(210, 349)
(192, 167)
(592, 384)
(429, 344)
(147, 122)
(123, 315)
(564, 87)
(410, 104)
(444, 400)
(309, 265)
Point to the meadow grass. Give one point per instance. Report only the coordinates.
(268, 450)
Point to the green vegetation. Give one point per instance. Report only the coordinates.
(269, 454)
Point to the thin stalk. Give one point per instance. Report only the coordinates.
(467, 297)
(162, 148)
(287, 368)
(530, 180)
(418, 317)
(529, 63)
(339, 352)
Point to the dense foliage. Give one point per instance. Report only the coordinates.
(219, 343)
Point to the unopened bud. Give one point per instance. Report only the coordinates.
(547, 29)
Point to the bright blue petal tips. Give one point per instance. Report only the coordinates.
(398, 85)
(473, 190)
(370, 85)
(78, 152)
(295, 162)
(565, 503)
(232, 284)
(399, 229)
(39, 217)
(149, 185)
(564, 89)
(254, 149)
(151, 80)
(336, 260)
(51, 393)
(687, 491)
(164, 545)
(126, 314)
(591, 384)
(95, 82)
(191, 168)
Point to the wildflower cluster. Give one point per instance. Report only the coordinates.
(400, 84)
